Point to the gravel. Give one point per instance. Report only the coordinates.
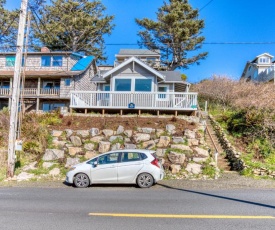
(229, 180)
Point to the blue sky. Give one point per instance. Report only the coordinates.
(226, 21)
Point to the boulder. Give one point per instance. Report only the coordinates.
(199, 159)
(190, 134)
(140, 137)
(24, 176)
(147, 130)
(108, 132)
(97, 139)
(53, 154)
(31, 166)
(55, 172)
(178, 140)
(56, 133)
(116, 146)
(163, 141)
(113, 138)
(69, 132)
(76, 141)
(74, 150)
(175, 168)
(104, 146)
(129, 146)
(176, 158)
(89, 146)
(149, 144)
(90, 154)
(94, 132)
(128, 133)
(160, 152)
(181, 147)
(159, 132)
(71, 162)
(193, 142)
(83, 133)
(120, 130)
(171, 129)
(201, 152)
(193, 168)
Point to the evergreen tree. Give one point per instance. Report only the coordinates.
(75, 25)
(176, 33)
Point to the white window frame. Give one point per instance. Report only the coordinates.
(166, 96)
(133, 83)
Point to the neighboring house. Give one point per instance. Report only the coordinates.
(49, 77)
(135, 83)
(261, 69)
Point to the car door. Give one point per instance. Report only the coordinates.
(127, 170)
(106, 169)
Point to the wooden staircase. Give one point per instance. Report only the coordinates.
(214, 144)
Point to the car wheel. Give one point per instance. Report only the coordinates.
(81, 180)
(145, 180)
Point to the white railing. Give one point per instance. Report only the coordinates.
(140, 100)
(32, 92)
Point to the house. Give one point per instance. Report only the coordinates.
(134, 82)
(48, 78)
(261, 69)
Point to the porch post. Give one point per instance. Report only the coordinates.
(37, 104)
(38, 86)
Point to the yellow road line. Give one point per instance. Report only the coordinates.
(180, 216)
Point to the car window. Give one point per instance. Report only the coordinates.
(143, 156)
(130, 156)
(91, 162)
(108, 158)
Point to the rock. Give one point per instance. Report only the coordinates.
(83, 133)
(190, 134)
(127, 140)
(178, 140)
(181, 147)
(69, 132)
(90, 154)
(193, 168)
(53, 154)
(199, 159)
(175, 168)
(71, 162)
(201, 152)
(116, 146)
(76, 141)
(24, 176)
(140, 137)
(176, 158)
(31, 166)
(97, 139)
(163, 141)
(89, 146)
(59, 144)
(147, 130)
(104, 146)
(108, 132)
(55, 172)
(160, 152)
(159, 132)
(128, 133)
(149, 144)
(47, 165)
(74, 150)
(94, 132)
(170, 129)
(56, 133)
(113, 138)
(193, 142)
(129, 146)
(120, 130)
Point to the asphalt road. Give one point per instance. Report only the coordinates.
(160, 207)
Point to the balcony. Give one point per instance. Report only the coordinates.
(135, 100)
(32, 92)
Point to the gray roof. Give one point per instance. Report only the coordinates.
(172, 76)
(98, 77)
(138, 52)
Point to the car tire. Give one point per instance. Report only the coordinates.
(81, 180)
(145, 180)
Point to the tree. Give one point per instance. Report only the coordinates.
(75, 25)
(8, 27)
(176, 33)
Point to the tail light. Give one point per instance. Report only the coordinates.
(155, 162)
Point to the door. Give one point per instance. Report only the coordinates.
(127, 170)
(106, 169)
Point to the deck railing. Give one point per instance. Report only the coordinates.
(137, 100)
(32, 92)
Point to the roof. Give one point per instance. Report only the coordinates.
(138, 52)
(264, 54)
(83, 64)
(133, 59)
(172, 76)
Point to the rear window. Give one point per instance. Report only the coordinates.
(143, 156)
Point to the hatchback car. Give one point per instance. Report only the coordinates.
(129, 166)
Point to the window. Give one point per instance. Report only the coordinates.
(143, 85)
(51, 106)
(108, 159)
(10, 61)
(122, 84)
(48, 61)
(163, 89)
(126, 157)
(5, 85)
(264, 60)
(57, 60)
(106, 88)
(51, 84)
(67, 82)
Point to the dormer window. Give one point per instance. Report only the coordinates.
(264, 60)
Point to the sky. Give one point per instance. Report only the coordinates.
(226, 22)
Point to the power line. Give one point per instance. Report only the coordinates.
(205, 5)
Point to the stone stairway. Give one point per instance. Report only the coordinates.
(223, 164)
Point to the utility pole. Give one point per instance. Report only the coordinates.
(16, 88)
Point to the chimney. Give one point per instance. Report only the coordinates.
(45, 49)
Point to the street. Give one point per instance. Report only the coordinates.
(128, 207)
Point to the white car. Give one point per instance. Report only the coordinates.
(128, 166)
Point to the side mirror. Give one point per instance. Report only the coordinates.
(95, 164)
